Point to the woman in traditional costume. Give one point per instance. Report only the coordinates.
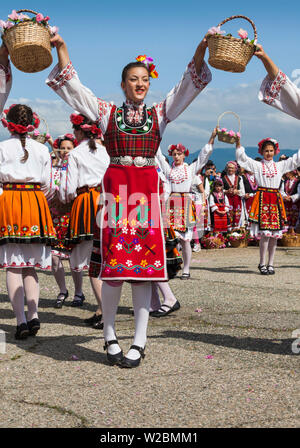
(61, 147)
(267, 214)
(234, 190)
(81, 182)
(199, 198)
(180, 206)
(219, 208)
(26, 228)
(290, 191)
(132, 245)
(250, 187)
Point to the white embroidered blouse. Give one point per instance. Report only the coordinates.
(5, 84)
(282, 94)
(37, 168)
(68, 86)
(267, 173)
(85, 168)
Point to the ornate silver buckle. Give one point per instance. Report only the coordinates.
(140, 161)
(126, 160)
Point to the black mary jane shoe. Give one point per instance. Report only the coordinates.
(131, 363)
(93, 320)
(161, 312)
(271, 270)
(78, 300)
(98, 325)
(185, 276)
(113, 359)
(62, 296)
(22, 331)
(33, 326)
(263, 269)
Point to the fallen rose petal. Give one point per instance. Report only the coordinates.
(209, 357)
(74, 358)
(198, 310)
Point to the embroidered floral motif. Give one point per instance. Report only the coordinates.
(272, 88)
(64, 76)
(269, 169)
(179, 174)
(140, 129)
(201, 80)
(104, 108)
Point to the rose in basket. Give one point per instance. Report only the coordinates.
(41, 137)
(211, 241)
(243, 34)
(238, 237)
(226, 132)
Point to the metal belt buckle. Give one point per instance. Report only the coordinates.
(140, 161)
(126, 160)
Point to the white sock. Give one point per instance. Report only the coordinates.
(186, 255)
(263, 246)
(169, 298)
(141, 297)
(59, 273)
(110, 301)
(15, 290)
(32, 292)
(155, 301)
(272, 250)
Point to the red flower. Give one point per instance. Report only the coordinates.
(76, 119)
(18, 128)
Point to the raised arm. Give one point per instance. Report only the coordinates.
(5, 76)
(204, 154)
(277, 89)
(243, 160)
(289, 164)
(65, 82)
(162, 163)
(196, 76)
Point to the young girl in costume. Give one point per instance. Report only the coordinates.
(80, 182)
(26, 228)
(234, 190)
(180, 207)
(290, 191)
(267, 214)
(61, 147)
(250, 187)
(132, 245)
(219, 208)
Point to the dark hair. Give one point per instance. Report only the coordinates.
(132, 65)
(23, 115)
(266, 143)
(217, 182)
(88, 134)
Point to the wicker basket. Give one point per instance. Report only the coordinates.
(225, 137)
(42, 137)
(29, 45)
(230, 53)
(290, 240)
(215, 243)
(239, 243)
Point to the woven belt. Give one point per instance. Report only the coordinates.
(21, 187)
(87, 189)
(137, 161)
(269, 190)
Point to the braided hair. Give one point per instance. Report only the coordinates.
(22, 115)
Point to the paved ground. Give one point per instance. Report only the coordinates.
(228, 365)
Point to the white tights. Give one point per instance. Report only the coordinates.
(141, 297)
(186, 255)
(21, 282)
(168, 296)
(267, 244)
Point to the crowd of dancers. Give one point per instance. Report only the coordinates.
(109, 202)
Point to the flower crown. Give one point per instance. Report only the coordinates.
(149, 64)
(19, 128)
(272, 140)
(61, 138)
(79, 120)
(179, 148)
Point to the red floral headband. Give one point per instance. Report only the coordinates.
(272, 140)
(70, 137)
(179, 148)
(18, 128)
(78, 120)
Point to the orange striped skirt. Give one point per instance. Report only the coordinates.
(268, 210)
(83, 215)
(24, 215)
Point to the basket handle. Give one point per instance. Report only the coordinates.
(27, 10)
(242, 17)
(233, 113)
(45, 124)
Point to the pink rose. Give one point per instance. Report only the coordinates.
(215, 30)
(242, 33)
(231, 133)
(223, 130)
(47, 18)
(53, 30)
(9, 25)
(238, 134)
(30, 128)
(36, 132)
(2, 24)
(14, 15)
(39, 17)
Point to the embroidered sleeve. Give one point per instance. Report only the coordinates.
(5, 84)
(203, 157)
(67, 85)
(282, 94)
(212, 203)
(179, 98)
(289, 164)
(69, 181)
(246, 162)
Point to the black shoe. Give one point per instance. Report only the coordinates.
(113, 359)
(271, 270)
(22, 331)
(263, 269)
(78, 300)
(93, 320)
(33, 326)
(60, 299)
(131, 363)
(185, 276)
(161, 312)
(98, 325)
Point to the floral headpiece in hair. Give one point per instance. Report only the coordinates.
(18, 128)
(149, 64)
(79, 120)
(61, 138)
(179, 148)
(272, 140)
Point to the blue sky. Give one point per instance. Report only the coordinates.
(104, 36)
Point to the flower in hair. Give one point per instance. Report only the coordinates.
(179, 147)
(272, 140)
(76, 119)
(149, 64)
(61, 138)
